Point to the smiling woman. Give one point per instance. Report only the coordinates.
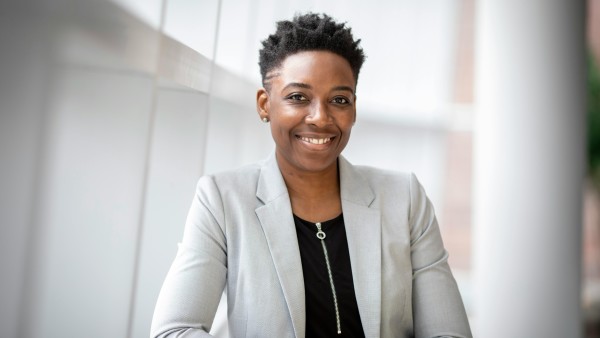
(311, 106)
(305, 243)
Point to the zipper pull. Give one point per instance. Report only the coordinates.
(320, 234)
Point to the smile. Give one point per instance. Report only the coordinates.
(316, 140)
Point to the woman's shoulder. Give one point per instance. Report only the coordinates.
(238, 178)
(401, 185)
(245, 173)
(384, 178)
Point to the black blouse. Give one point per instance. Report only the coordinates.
(320, 308)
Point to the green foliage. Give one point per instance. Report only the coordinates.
(593, 135)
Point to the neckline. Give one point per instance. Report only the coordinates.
(324, 224)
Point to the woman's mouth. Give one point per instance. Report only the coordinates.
(316, 140)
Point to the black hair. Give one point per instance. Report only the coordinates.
(309, 32)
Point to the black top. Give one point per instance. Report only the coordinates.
(320, 309)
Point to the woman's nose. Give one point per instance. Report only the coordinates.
(319, 115)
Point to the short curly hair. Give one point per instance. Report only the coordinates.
(309, 32)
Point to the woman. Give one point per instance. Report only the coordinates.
(305, 244)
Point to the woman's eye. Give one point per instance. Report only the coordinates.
(340, 100)
(297, 97)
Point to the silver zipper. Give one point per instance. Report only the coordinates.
(321, 235)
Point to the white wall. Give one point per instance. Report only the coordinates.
(529, 168)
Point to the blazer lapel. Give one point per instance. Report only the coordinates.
(278, 225)
(363, 229)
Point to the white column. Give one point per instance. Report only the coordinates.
(529, 168)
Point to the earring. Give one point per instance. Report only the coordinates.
(265, 120)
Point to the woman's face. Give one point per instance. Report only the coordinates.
(311, 108)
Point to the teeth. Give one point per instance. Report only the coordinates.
(316, 140)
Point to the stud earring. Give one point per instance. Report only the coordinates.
(265, 120)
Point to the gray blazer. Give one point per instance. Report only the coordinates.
(240, 235)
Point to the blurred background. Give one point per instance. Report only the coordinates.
(111, 110)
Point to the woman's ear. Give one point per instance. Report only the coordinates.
(262, 104)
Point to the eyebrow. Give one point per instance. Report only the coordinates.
(345, 88)
(307, 86)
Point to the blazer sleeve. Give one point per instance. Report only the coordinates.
(190, 294)
(438, 309)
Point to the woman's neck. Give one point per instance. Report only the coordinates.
(315, 196)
